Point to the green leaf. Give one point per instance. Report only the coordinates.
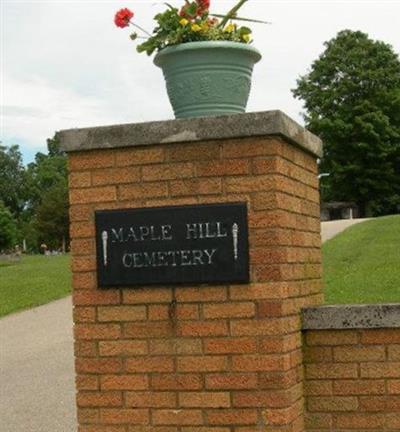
(236, 18)
(133, 36)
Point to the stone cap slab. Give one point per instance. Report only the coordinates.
(351, 316)
(245, 125)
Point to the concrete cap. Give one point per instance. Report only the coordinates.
(191, 130)
(352, 316)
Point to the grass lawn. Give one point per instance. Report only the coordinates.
(33, 281)
(362, 264)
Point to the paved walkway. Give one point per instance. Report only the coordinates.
(36, 370)
(331, 228)
(36, 363)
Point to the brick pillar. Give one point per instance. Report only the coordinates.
(221, 358)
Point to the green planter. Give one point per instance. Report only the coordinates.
(208, 78)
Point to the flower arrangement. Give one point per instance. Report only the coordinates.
(191, 23)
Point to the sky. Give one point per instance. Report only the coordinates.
(64, 64)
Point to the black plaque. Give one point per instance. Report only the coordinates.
(172, 245)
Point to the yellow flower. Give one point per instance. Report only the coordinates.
(183, 22)
(229, 28)
(204, 26)
(196, 28)
(247, 37)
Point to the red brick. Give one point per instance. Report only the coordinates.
(149, 364)
(260, 363)
(90, 159)
(167, 171)
(266, 399)
(92, 195)
(232, 417)
(79, 179)
(380, 370)
(358, 387)
(177, 417)
(204, 399)
(175, 346)
(148, 329)
(150, 399)
(280, 344)
(142, 191)
(379, 403)
(80, 213)
(85, 348)
(88, 415)
(251, 147)
(318, 354)
(228, 310)
(331, 337)
(231, 381)
(84, 281)
(180, 312)
(393, 421)
(331, 370)
(196, 187)
(380, 336)
(332, 403)
(200, 294)
(112, 176)
(95, 297)
(360, 421)
(99, 399)
(201, 364)
(98, 428)
(353, 354)
(147, 295)
(193, 152)
(319, 388)
(176, 382)
(87, 382)
(84, 314)
(83, 263)
(121, 313)
(393, 386)
(263, 327)
(124, 416)
(122, 347)
(89, 365)
(394, 353)
(230, 346)
(97, 331)
(222, 168)
(318, 421)
(83, 247)
(202, 328)
(278, 380)
(135, 156)
(124, 382)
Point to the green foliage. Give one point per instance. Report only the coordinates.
(52, 222)
(352, 101)
(8, 228)
(12, 179)
(362, 264)
(191, 24)
(33, 281)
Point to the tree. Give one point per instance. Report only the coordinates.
(352, 101)
(52, 222)
(13, 191)
(8, 228)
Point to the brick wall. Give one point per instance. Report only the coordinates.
(352, 380)
(195, 359)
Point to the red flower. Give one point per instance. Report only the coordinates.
(122, 17)
(203, 6)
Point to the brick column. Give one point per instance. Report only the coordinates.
(221, 358)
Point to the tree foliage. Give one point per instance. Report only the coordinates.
(12, 179)
(8, 228)
(37, 195)
(352, 101)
